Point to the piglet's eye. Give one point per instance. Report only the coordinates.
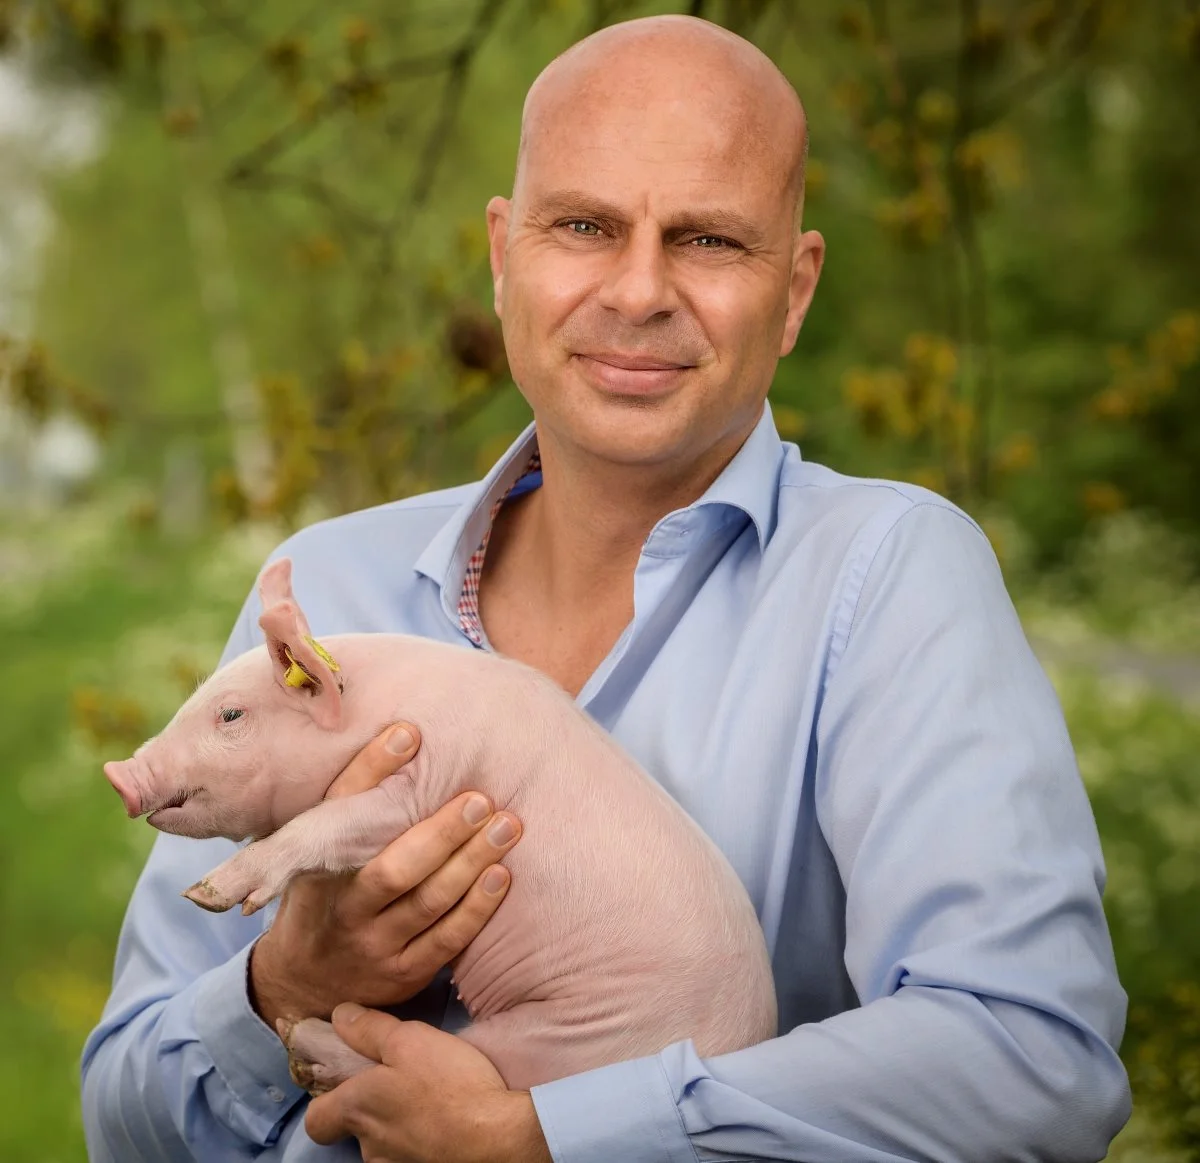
(229, 714)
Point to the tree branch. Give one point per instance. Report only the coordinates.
(334, 98)
(1077, 43)
(227, 22)
(245, 84)
(461, 59)
(975, 345)
(460, 65)
(314, 190)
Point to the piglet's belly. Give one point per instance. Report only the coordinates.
(624, 930)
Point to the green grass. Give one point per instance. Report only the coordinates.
(97, 604)
(130, 618)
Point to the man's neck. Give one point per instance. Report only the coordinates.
(557, 586)
(585, 528)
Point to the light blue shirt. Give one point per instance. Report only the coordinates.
(827, 673)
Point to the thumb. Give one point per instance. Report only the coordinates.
(364, 1030)
(383, 755)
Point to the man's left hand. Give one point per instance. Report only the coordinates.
(433, 1098)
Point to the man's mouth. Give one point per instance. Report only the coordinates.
(634, 363)
(631, 375)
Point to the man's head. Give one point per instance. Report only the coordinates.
(650, 269)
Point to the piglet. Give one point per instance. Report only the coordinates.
(624, 928)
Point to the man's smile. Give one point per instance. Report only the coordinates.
(631, 375)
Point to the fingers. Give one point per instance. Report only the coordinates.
(355, 1105)
(436, 860)
(366, 1031)
(424, 955)
(384, 755)
(335, 1115)
(325, 1120)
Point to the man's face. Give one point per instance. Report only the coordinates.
(648, 275)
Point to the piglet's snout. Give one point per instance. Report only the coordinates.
(119, 775)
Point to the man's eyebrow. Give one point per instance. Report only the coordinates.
(578, 202)
(710, 221)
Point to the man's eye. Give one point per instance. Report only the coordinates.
(586, 229)
(229, 714)
(710, 242)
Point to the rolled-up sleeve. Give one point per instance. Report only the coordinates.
(947, 791)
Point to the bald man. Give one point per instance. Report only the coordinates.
(825, 671)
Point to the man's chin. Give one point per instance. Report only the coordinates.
(623, 431)
(632, 446)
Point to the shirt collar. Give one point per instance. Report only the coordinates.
(749, 483)
(445, 557)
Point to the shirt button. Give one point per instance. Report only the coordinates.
(275, 1094)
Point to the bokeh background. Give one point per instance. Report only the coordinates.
(244, 285)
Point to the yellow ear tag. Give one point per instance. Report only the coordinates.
(296, 675)
(324, 654)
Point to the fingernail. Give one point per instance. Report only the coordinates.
(476, 810)
(494, 881)
(349, 1012)
(502, 831)
(399, 741)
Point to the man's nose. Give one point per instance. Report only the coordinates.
(638, 284)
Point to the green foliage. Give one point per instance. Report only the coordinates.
(1165, 1061)
(281, 258)
(1130, 579)
(105, 627)
(981, 172)
(1137, 754)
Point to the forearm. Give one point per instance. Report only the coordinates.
(179, 1055)
(272, 996)
(927, 1074)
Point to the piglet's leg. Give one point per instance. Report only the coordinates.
(335, 836)
(318, 1059)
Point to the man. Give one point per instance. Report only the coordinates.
(826, 672)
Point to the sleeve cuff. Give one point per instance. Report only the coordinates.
(626, 1111)
(247, 1055)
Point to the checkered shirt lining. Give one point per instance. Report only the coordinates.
(468, 600)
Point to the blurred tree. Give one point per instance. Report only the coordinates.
(954, 144)
(282, 257)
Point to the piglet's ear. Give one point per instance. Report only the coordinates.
(275, 584)
(301, 665)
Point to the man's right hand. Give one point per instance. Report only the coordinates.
(380, 935)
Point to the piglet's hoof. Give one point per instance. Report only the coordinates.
(317, 1058)
(258, 899)
(206, 896)
(305, 1074)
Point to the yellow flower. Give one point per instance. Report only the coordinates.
(1017, 453)
(790, 422)
(1101, 498)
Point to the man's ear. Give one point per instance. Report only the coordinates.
(498, 210)
(302, 666)
(807, 259)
